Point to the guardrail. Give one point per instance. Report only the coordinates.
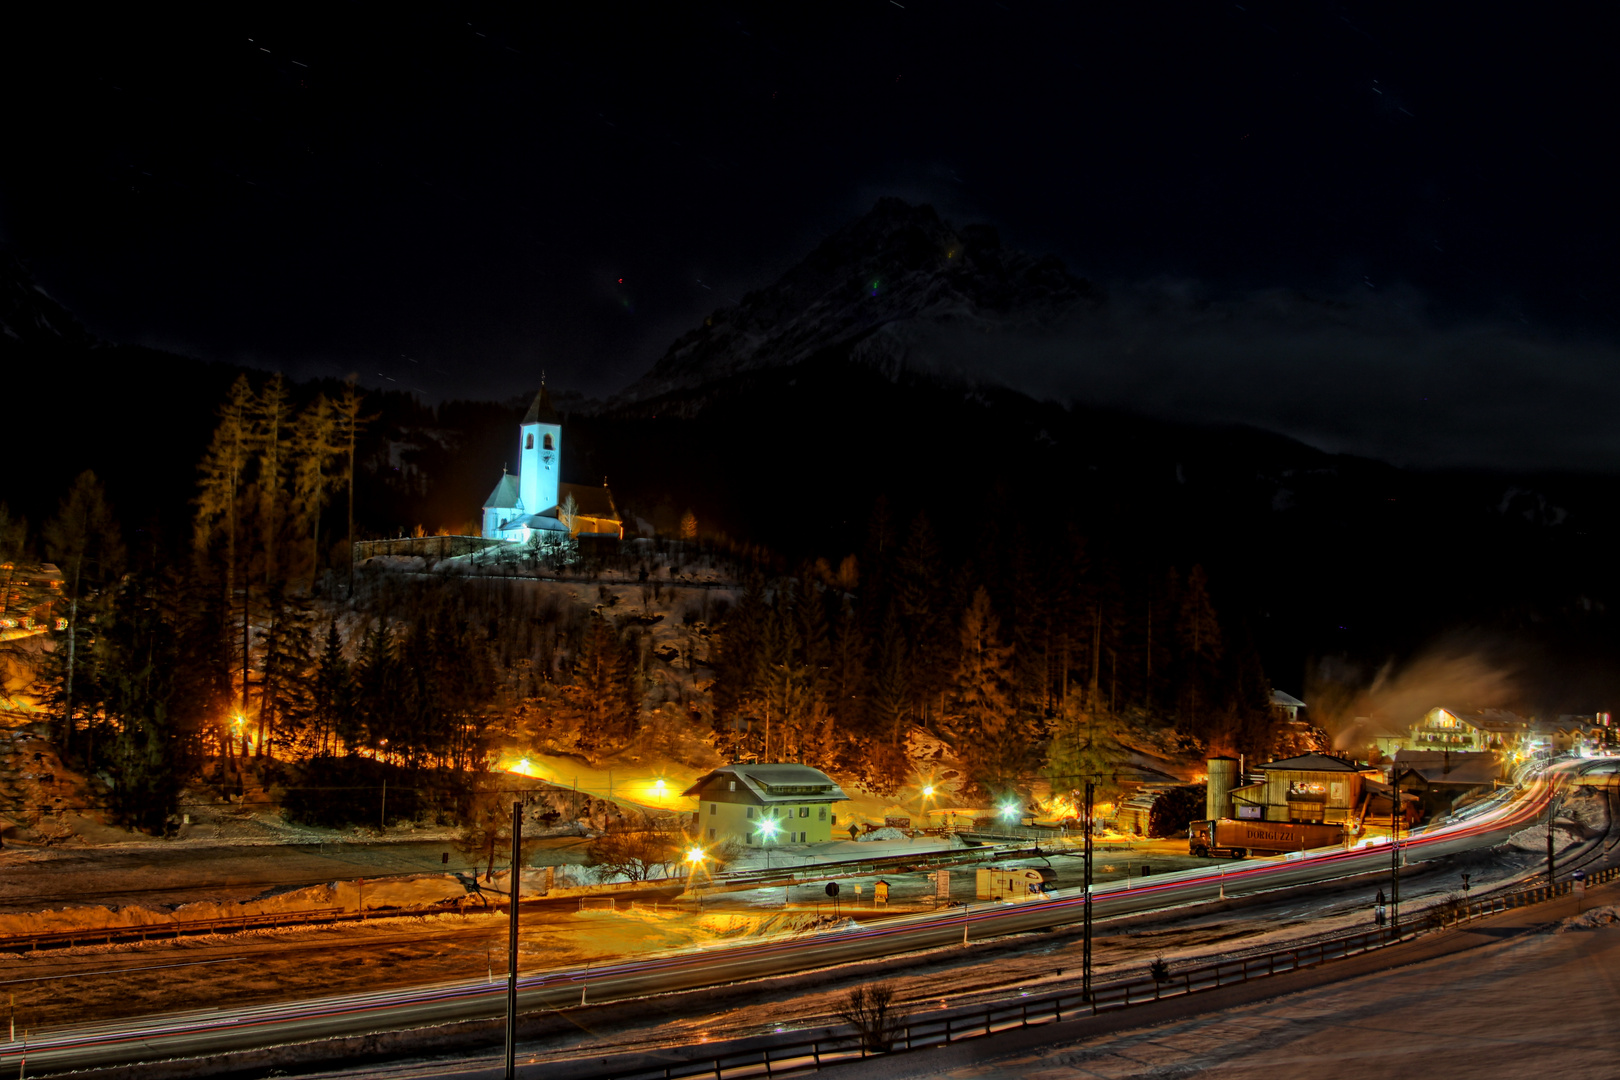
(764, 1057)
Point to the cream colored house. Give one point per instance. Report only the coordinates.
(772, 804)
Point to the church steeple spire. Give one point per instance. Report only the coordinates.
(540, 410)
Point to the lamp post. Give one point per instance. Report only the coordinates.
(515, 890)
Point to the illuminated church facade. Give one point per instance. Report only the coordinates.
(536, 501)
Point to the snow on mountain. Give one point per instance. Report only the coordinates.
(28, 316)
(878, 292)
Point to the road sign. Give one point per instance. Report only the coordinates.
(832, 888)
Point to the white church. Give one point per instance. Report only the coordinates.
(535, 500)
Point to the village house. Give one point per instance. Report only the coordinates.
(1449, 729)
(30, 595)
(772, 804)
(1440, 778)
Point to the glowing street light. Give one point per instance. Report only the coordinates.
(769, 828)
(1010, 811)
(928, 791)
(694, 855)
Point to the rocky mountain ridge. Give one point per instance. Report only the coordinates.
(878, 292)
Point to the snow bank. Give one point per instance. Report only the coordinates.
(1535, 838)
(885, 833)
(1590, 920)
(392, 893)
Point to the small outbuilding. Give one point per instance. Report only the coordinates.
(780, 803)
(1308, 788)
(1441, 778)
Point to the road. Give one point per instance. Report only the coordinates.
(217, 1031)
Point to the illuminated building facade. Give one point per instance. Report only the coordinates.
(1309, 788)
(766, 804)
(536, 501)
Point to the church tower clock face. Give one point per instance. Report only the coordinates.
(545, 459)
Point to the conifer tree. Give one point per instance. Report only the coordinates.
(271, 433)
(602, 676)
(284, 692)
(350, 425)
(219, 501)
(891, 682)
(1086, 747)
(331, 694)
(989, 742)
(84, 540)
(315, 450)
(139, 661)
(1198, 637)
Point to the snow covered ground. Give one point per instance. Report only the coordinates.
(1537, 1002)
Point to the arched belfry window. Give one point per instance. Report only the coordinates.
(547, 442)
(528, 443)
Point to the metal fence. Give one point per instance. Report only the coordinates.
(806, 1051)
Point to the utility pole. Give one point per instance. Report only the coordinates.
(512, 938)
(1552, 809)
(1395, 863)
(1085, 959)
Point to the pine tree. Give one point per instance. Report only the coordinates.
(849, 675)
(604, 686)
(332, 695)
(1198, 637)
(350, 425)
(315, 450)
(84, 540)
(219, 501)
(922, 604)
(139, 659)
(376, 692)
(1086, 747)
(988, 740)
(270, 418)
(285, 700)
(891, 682)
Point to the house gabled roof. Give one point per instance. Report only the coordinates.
(1312, 763)
(1469, 769)
(1279, 697)
(776, 783)
(505, 495)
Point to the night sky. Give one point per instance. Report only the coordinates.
(1379, 229)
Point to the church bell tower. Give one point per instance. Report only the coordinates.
(540, 443)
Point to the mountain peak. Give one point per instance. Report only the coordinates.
(875, 292)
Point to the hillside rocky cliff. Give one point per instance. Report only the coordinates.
(883, 292)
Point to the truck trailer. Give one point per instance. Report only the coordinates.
(1240, 838)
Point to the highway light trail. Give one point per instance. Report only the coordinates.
(215, 1032)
